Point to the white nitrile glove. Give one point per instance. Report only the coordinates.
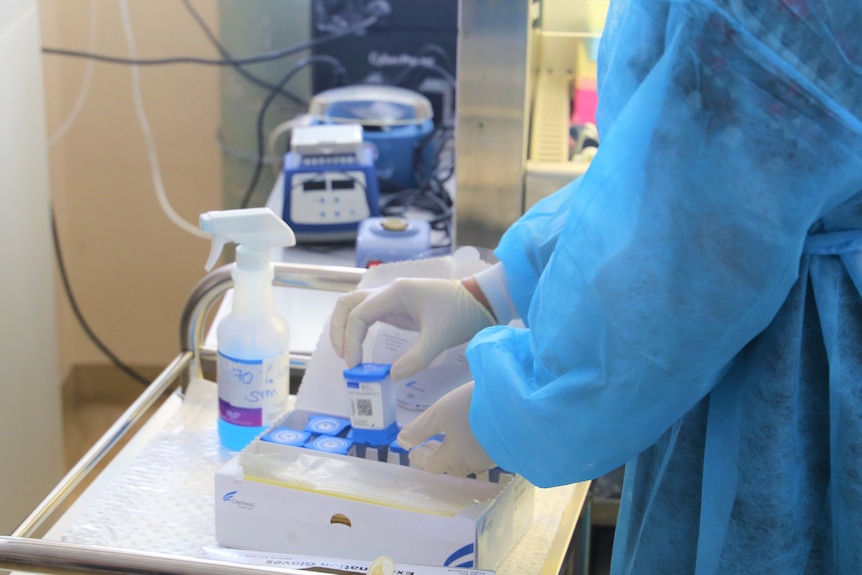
(443, 311)
(459, 454)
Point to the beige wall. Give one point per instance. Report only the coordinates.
(131, 269)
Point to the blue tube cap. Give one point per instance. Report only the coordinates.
(365, 372)
(327, 425)
(287, 436)
(329, 444)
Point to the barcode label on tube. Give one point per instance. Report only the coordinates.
(366, 404)
(363, 407)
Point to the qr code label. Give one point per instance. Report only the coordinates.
(363, 408)
(366, 404)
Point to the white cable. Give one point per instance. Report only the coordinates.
(87, 82)
(152, 154)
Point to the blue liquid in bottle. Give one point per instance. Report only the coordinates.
(236, 437)
(252, 393)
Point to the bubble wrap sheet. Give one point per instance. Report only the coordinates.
(157, 494)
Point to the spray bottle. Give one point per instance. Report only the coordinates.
(253, 340)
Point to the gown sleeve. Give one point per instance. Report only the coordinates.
(641, 281)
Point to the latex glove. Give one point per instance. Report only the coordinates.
(459, 454)
(443, 311)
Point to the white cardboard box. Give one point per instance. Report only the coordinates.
(256, 510)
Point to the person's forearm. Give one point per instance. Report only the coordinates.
(472, 286)
(491, 289)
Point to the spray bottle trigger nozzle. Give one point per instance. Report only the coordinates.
(215, 252)
(255, 230)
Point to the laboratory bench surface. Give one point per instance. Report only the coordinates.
(94, 397)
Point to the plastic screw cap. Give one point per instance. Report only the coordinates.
(394, 224)
(383, 565)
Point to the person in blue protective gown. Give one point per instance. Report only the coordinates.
(692, 304)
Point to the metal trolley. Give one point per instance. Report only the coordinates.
(550, 547)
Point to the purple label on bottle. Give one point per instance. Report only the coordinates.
(247, 416)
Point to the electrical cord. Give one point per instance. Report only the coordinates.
(85, 85)
(235, 62)
(149, 140)
(80, 317)
(444, 73)
(400, 79)
(441, 52)
(147, 132)
(341, 75)
(286, 126)
(430, 195)
(443, 144)
(407, 202)
(438, 141)
(52, 140)
(227, 56)
(267, 57)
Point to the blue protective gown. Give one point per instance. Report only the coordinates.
(693, 302)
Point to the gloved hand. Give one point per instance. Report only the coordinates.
(444, 313)
(460, 453)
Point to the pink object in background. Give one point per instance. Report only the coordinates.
(586, 100)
